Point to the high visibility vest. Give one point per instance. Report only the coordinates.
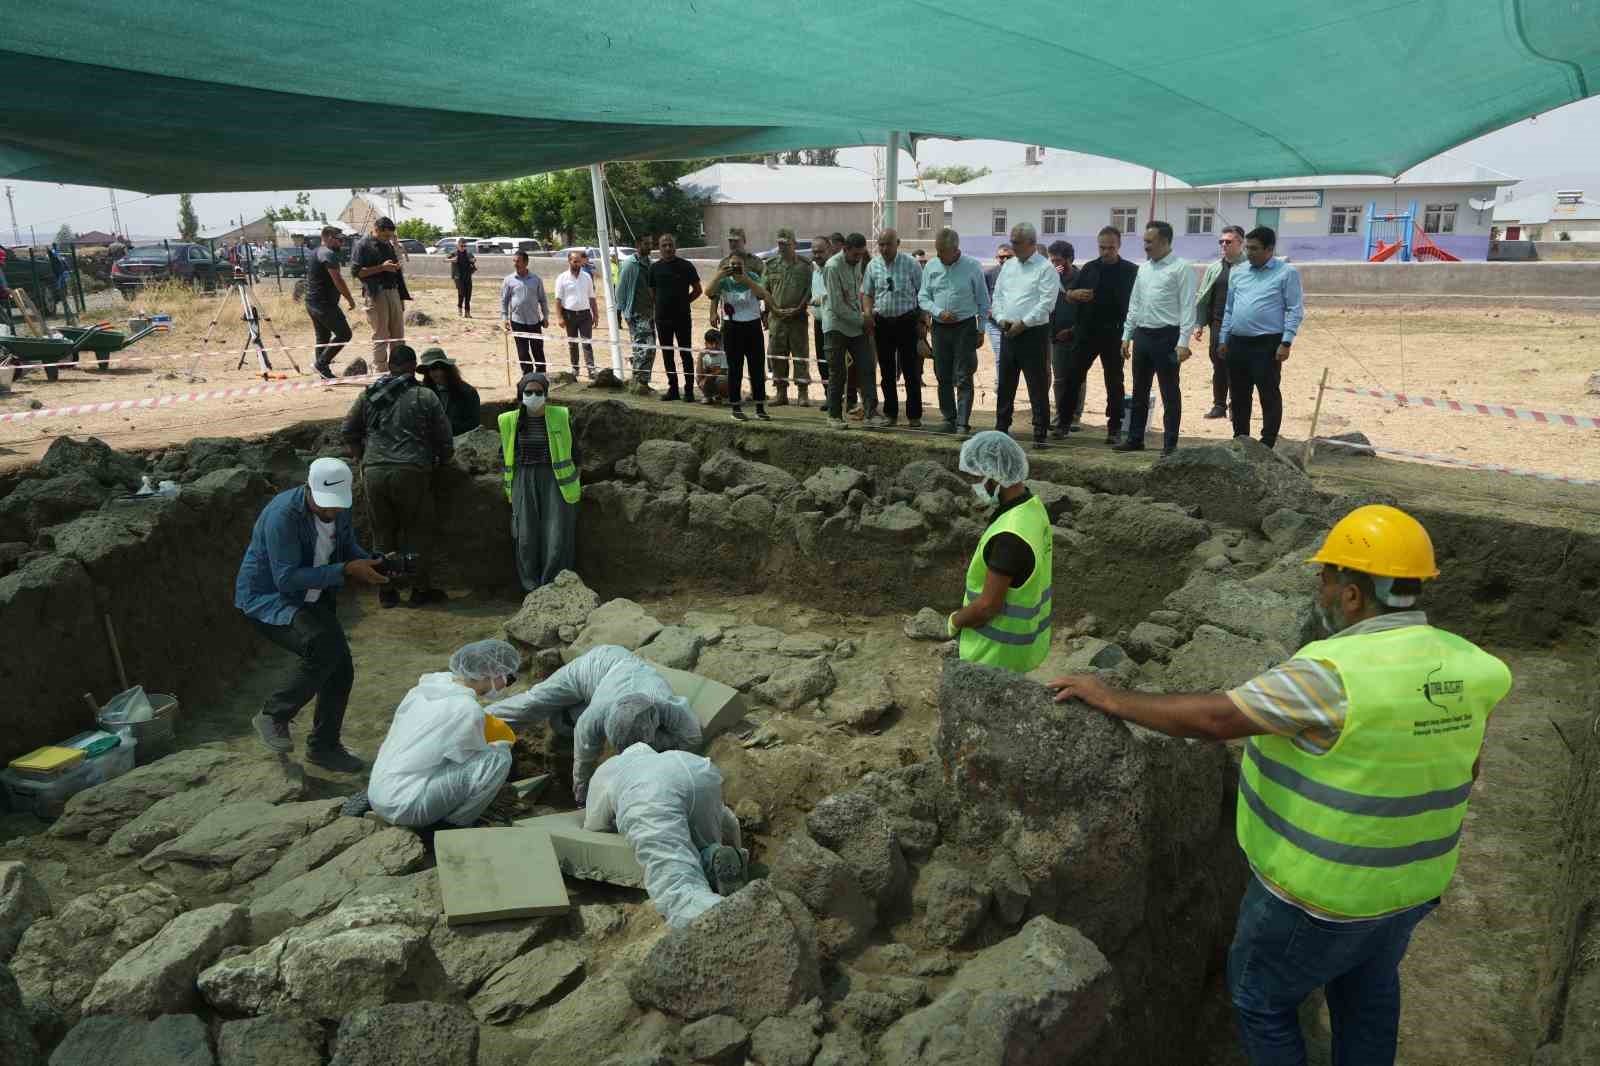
(1018, 638)
(558, 426)
(1373, 825)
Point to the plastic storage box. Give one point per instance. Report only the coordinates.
(107, 764)
(45, 798)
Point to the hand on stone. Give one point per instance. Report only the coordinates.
(1085, 687)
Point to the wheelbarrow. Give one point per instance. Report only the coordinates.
(103, 340)
(48, 350)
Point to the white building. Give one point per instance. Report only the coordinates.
(1069, 195)
(399, 204)
(1547, 216)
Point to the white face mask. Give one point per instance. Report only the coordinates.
(497, 689)
(533, 401)
(986, 496)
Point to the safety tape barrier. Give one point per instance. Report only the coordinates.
(173, 399)
(1450, 460)
(1469, 407)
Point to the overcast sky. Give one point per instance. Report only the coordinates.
(1558, 148)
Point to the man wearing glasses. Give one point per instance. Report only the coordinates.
(1209, 306)
(889, 302)
(991, 328)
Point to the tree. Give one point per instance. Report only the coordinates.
(64, 235)
(955, 174)
(300, 212)
(822, 157)
(188, 221)
(417, 229)
(558, 209)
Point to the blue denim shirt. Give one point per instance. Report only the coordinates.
(276, 572)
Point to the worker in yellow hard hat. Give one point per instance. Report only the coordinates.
(1362, 751)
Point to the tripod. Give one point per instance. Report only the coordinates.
(252, 316)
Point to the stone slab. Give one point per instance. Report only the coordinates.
(588, 855)
(718, 707)
(486, 875)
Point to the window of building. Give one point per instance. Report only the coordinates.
(1202, 219)
(924, 218)
(1055, 220)
(1439, 218)
(997, 222)
(1344, 219)
(1125, 219)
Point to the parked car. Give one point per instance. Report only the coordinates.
(447, 245)
(493, 246)
(152, 264)
(32, 276)
(524, 244)
(287, 262)
(412, 246)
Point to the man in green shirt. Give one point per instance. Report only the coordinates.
(844, 330)
(788, 281)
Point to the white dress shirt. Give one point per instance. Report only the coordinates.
(1163, 295)
(575, 293)
(1026, 290)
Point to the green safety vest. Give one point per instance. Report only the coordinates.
(1018, 638)
(1373, 825)
(558, 425)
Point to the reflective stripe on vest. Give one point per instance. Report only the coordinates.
(1373, 826)
(558, 430)
(1018, 637)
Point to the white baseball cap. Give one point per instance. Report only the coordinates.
(331, 483)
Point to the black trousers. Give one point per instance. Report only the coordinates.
(1155, 355)
(896, 340)
(464, 295)
(530, 350)
(676, 331)
(332, 329)
(1025, 356)
(822, 355)
(579, 324)
(1220, 377)
(745, 345)
(325, 669)
(1086, 349)
(955, 361)
(1253, 364)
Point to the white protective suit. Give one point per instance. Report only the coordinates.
(669, 804)
(581, 699)
(434, 765)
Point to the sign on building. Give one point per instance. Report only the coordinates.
(1287, 198)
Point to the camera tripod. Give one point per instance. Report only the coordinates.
(252, 316)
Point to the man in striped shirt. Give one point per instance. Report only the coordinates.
(894, 323)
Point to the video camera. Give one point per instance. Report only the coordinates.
(398, 567)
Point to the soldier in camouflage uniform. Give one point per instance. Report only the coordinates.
(788, 282)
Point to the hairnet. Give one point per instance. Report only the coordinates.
(485, 659)
(992, 454)
(634, 719)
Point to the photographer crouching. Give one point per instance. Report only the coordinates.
(302, 551)
(398, 432)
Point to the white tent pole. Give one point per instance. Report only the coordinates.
(602, 269)
(891, 180)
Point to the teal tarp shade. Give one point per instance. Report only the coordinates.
(174, 95)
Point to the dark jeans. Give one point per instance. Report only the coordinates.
(402, 514)
(1281, 954)
(676, 331)
(332, 329)
(955, 360)
(1155, 355)
(1219, 370)
(464, 295)
(822, 354)
(1069, 409)
(530, 350)
(859, 362)
(745, 345)
(1025, 356)
(896, 340)
(1086, 349)
(1253, 364)
(325, 669)
(579, 324)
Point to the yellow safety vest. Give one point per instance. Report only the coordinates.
(1373, 825)
(558, 427)
(1018, 638)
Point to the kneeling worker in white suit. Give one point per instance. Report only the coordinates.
(669, 805)
(438, 763)
(607, 695)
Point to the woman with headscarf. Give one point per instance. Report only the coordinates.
(459, 400)
(542, 485)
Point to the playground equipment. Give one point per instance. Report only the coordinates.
(1396, 235)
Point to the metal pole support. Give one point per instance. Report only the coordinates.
(1316, 415)
(891, 182)
(602, 222)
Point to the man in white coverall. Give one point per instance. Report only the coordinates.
(607, 695)
(436, 764)
(669, 804)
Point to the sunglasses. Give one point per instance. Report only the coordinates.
(533, 392)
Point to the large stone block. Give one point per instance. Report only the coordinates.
(157, 977)
(361, 868)
(22, 900)
(1238, 482)
(170, 1040)
(716, 706)
(589, 855)
(407, 1034)
(236, 842)
(566, 601)
(621, 622)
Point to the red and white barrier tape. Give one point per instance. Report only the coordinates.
(173, 399)
(1468, 407)
(1450, 460)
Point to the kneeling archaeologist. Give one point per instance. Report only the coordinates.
(1362, 752)
(669, 806)
(541, 472)
(1005, 619)
(444, 758)
(303, 549)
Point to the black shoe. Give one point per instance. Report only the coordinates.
(388, 597)
(1060, 433)
(336, 758)
(323, 370)
(1217, 412)
(274, 732)
(424, 597)
(1041, 442)
(738, 414)
(671, 394)
(356, 806)
(688, 396)
(1129, 446)
(1168, 449)
(948, 427)
(1113, 436)
(761, 413)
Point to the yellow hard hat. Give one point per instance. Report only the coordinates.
(1381, 541)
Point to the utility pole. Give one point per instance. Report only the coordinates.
(116, 216)
(16, 233)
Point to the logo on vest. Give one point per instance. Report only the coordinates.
(1445, 695)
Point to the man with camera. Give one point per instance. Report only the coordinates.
(736, 309)
(302, 550)
(398, 431)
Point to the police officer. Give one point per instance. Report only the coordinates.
(1005, 619)
(1363, 750)
(398, 431)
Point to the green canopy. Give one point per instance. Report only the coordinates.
(179, 95)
